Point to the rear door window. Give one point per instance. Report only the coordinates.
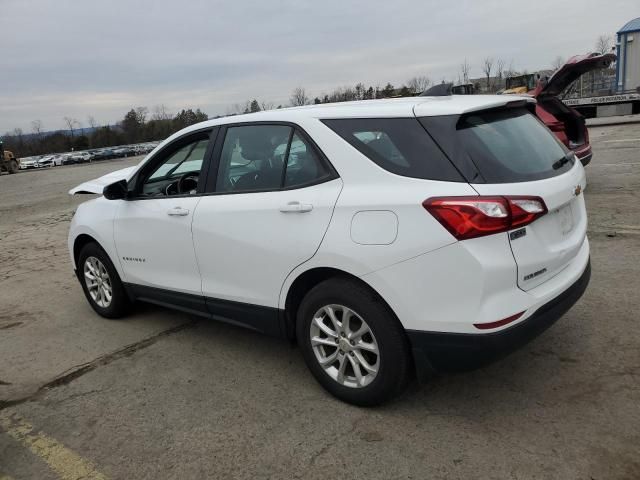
(268, 157)
(303, 164)
(399, 145)
(505, 146)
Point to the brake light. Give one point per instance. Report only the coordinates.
(472, 217)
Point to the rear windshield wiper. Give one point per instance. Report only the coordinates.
(564, 160)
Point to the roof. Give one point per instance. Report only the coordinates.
(382, 108)
(631, 26)
(388, 107)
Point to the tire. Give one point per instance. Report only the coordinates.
(392, 364)
(98, 261)
(13, 167)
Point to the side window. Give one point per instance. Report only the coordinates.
(303, 164)
(179, 172)
(399, 145)
(252, 158)
(266, 157)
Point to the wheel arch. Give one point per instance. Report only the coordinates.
(84, 239)
(80, 242)
(308, 279)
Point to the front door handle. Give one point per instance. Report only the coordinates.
(296, 207)
(178, 212)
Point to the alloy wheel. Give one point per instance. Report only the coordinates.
(344, 346)
(98, 282)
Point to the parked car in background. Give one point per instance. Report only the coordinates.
(81, 157)
(67, 159)
(50, 161)
(103, 154)
(142, 149)
(124, 152)
(387, 236)
(566, 122)
(46, 161)
(27, 163)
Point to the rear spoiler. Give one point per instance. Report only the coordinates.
(461, 105)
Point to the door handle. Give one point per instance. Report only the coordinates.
(178, 212)
(296, 207)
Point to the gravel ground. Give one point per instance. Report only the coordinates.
(165, 395)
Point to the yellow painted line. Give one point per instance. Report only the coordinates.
(66, 463)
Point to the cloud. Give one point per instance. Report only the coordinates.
(101, 58)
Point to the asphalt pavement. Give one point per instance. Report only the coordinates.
(165, 395)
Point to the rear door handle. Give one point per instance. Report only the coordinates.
(178, 212)
(296, 207)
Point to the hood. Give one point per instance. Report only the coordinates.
(572, 70)
(97, 184)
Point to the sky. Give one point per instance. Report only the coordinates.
(81, 58)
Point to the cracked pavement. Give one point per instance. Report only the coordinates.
(164, 395)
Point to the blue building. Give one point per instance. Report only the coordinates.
(628, 51)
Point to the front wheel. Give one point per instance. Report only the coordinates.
(352, 342)
(13, 167)
(101, 283)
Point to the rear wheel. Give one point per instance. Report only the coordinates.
(101, 283)
(352, 342)
(13, 166)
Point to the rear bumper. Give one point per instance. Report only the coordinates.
(448, 352)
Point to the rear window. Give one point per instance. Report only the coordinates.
(399, 145)
(505, 146)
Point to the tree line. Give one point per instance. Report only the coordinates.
(137, 126)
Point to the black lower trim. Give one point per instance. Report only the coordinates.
(256, 317)
(448, 352)
(262, 319)
(184, 302)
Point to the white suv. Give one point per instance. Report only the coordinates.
(386, 236)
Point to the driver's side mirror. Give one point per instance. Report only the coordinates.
(116, 191)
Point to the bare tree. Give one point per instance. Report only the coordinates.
(92, 122)
(267, 105)
(604, 44)
(511, 71)
(299, 97)
(486, 68)
(160, 112)
(36, 126)
(464, 69)
(141, 114)
(72, 123)
(557, 63)
(499, 71)
(235, 109)
(418, 84)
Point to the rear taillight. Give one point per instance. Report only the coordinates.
(472, 217)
